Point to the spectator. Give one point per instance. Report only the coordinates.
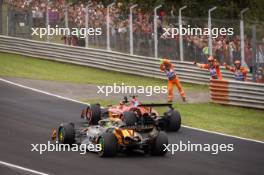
(259, 75)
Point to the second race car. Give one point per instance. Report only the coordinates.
(133, 113)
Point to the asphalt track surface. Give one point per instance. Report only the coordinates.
(27, 117)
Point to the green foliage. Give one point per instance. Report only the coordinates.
(226, 9)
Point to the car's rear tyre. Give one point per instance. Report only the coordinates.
(157, 147)
(130, 118)
(173, 119)
(66, 133)
(95, 113)
(108, 144)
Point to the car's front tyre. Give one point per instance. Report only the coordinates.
(66, 133)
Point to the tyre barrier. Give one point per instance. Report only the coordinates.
(245, 94)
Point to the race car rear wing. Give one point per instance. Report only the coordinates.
(157, 105)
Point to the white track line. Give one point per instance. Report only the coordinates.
(76, 101)
(222, 134)
(22, 168)
(40, 91)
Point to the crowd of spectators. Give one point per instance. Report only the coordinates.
(226, 49)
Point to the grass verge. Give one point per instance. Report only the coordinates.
(28, 67)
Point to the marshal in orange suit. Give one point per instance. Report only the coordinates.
(240, 73)
(213, 67)
(167, 67)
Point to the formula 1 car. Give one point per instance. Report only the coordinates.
(114, 136)
(133, 112)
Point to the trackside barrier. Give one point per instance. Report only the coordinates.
(237, 93)
(108, 60)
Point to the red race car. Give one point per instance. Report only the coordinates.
(132, 112)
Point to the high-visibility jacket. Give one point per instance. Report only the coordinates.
(170, 73)
(214, 70)
(239, 74)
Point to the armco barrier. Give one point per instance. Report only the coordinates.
(237, 93)
(138, 65)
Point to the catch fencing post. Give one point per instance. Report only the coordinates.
(1, 17)
(7, 23)
(66, 22)
(108, 25)
(180, 36)
(87, 24)
(131, 29)
(156, 30)
(210, 31)
(242, 39)
(254, 51)
(47, 21)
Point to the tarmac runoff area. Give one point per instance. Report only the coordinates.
(89, 92)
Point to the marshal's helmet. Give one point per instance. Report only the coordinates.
(166, 62)
(210, 59)
(237, 63)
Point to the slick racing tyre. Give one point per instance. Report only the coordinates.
(108, 144)
(157, 147)
(66, 133)
(173, 119)
(95, 114)
(130, 118)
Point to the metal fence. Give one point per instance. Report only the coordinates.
(103, 59)
(236, 93)
(19, 18)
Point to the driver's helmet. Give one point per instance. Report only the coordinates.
(135, 102)
(107, 124)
